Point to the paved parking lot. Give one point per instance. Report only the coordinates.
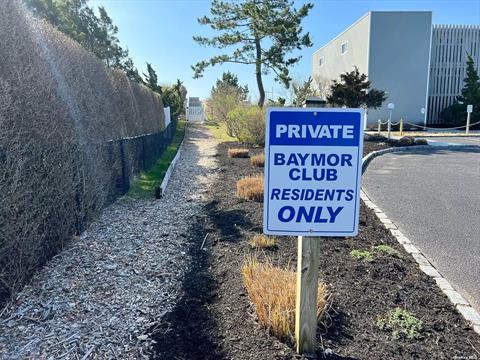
(434, 198)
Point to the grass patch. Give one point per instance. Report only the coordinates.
(385, 249)
(363, 255)
(261, 241)
(144, 185)
(219, 131)
(258, 160)
(250, 188)
(401, 324)
(238, 153)
(272, 292)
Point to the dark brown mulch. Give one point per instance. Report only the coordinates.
(214, 319)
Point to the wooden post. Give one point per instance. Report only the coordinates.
(306, 295)
(401, 127)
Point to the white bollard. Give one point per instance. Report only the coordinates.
(379, 126)
(469, 111)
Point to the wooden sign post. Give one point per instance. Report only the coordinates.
(306, 296)
(313, 164)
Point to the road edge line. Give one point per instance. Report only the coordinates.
(459, 302)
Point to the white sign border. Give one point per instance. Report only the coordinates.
(266, 189)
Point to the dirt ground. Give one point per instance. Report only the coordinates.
(214, 319)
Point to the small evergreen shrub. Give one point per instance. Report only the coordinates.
(401, 324)
(362, 255)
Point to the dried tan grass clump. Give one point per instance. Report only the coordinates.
(258, 160)
(250, 188)
(238, 153)
(261, 241)
(272, 292)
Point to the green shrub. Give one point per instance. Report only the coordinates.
(248, 123)
(401, 323)
(362, 255)
(386, 250)
(421, 142)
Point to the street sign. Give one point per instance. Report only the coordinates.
(313, 167)
(469, 108)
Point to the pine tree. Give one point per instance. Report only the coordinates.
(151, 79)
(303, 91)
(353, 91)
(263, 32)
(455, 114)
(471, 89)
(229, 82)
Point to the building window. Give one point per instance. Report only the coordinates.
(321, 61)
(344, 47)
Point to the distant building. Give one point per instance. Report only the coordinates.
(195, 110)
(421, 68)
(448, 65)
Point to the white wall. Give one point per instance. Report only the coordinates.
(334, 62)
(399, 62)
(392, 49)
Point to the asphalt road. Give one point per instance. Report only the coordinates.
(434, 198)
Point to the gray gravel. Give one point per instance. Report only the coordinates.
(434, 198)
(100, 296)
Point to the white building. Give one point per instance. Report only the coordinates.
(421, 68)
(448, 65)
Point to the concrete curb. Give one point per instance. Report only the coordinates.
(460, 303)
(171, 167)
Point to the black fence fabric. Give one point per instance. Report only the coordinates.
(137, 154)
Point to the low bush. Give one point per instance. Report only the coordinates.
(421, 142)
(248, 123)
(401, 324)
(363, 255)
(385, 249)
(258, 160)
(250, 188)
(261, 241)
(406, 140)
(238, 153)
(375, 137)
(272, 292)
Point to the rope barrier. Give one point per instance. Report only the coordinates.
(452, 128)
(427, 127)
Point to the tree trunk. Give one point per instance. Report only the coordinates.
(258, 72)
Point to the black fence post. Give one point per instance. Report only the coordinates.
(125, 175)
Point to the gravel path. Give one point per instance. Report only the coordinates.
(102, 296)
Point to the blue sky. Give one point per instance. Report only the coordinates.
(160, 32)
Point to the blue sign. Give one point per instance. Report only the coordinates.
(313, 168)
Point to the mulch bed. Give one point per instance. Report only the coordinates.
(214, 319)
